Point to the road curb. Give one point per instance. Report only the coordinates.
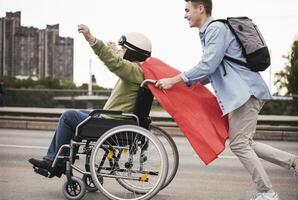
(261, 134)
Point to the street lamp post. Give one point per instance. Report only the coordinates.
(90, 78)
(89, 104)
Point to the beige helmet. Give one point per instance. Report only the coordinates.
(136, 42)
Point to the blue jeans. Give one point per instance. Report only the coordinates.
(65, 130)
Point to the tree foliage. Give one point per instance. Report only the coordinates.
(287, 79)
(287, 83)
(43, 83)
(42, 93)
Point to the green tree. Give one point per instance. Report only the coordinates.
(287, 83)
(49, 82)
(287, 79)
(84, 86)
(67, 84)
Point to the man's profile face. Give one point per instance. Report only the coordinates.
(193, 14)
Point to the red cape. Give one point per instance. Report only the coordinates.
(194, 109)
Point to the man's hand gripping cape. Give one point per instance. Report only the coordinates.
(194, 109)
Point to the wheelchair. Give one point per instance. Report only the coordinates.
(127, 159)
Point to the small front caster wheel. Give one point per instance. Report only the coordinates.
(74, 189)
(90, 186)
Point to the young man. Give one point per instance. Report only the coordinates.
(240, 93)
(125, 64)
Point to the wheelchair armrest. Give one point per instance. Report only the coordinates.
(111, 112)
(114, 112)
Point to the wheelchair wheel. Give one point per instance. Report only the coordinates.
(171, 149)
(89, 184)
(132, 156)
(74, 189)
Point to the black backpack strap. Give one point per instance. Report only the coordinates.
(222, 21)
(217, 20)
(239, 62)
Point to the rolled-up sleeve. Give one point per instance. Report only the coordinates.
(213, 54)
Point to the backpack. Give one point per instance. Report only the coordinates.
(253, 45)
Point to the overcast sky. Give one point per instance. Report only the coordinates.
(161, 20)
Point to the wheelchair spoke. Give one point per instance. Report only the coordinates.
(126, 137)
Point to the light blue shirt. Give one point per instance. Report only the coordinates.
(239, 84)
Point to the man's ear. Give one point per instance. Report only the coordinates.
(201, 8)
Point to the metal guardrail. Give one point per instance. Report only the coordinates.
(106, 91)
(269, 126)
(161, 117)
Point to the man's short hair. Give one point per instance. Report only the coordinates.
(206, 3)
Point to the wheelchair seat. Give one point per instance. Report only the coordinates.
(95, 127)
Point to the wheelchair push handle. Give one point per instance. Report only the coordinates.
(144, 83)
(111, 112)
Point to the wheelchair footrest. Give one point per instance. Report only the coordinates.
(49, 173)
(42, 172)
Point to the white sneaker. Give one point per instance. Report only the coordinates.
(265, 196)
(295, 168)
(296, 171)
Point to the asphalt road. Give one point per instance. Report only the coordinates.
(224, 179)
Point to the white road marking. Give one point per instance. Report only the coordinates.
(21, 146)
(228, 157)
(221, 157)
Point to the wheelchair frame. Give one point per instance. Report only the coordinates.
(89, 145)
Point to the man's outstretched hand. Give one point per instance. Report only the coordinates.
(86, 32)
(112, 46)
(165, 83)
